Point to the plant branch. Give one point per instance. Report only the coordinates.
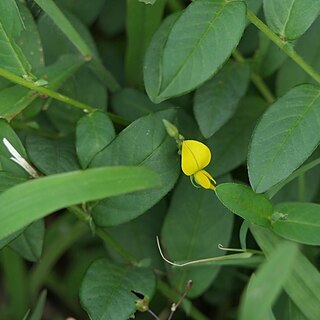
(256, 79)
(284, 46)
(55, 95)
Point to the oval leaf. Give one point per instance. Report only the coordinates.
(285, 137)
(200, 41)
(244, 202)
(106, 289)
(298, 222)
(216, 101)
(290, 18)
(32, 200)
(144, 143)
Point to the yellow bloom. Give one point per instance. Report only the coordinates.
(195, 156)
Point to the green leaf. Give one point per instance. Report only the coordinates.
(8, 180)
(52, 156)
(11, 24)
(132, 104)
(298, 222)
(229, 146)
(15, 99)
(71, 32)
(303, 284)
(30, 242)
(217, 100)
(144, 143)
(244, 202)
(57, 16)
(265, 286)
(94, 132)
(200, 41)
(106, 289)
(25, 203)
(285, 137)
(29, 39)
(152, 67)
(142, 21)
(138, 236)
(308, 46)
(290, 18)
(193, 228)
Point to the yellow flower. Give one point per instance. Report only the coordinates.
(195, 156)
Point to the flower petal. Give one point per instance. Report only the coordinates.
(194, 156)
(205, 180)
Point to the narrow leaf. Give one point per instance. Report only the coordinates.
(303, 284)
(142, 21)
(266, 284)
(25, 203)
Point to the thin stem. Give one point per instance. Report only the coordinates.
(256, 79)
(55, 95)
(187, 305)
(104, 235)
(284, 46)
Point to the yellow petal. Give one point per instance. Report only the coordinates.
(205, 180)
(194, 156)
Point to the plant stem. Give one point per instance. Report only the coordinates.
(284, 46)
(256, 79)
(274, 190)
(55, 95)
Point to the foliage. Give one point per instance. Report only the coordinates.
(194, 122)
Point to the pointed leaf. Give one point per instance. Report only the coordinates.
(266, 284)
(303, 284)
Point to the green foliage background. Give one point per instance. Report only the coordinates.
(84, 87)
